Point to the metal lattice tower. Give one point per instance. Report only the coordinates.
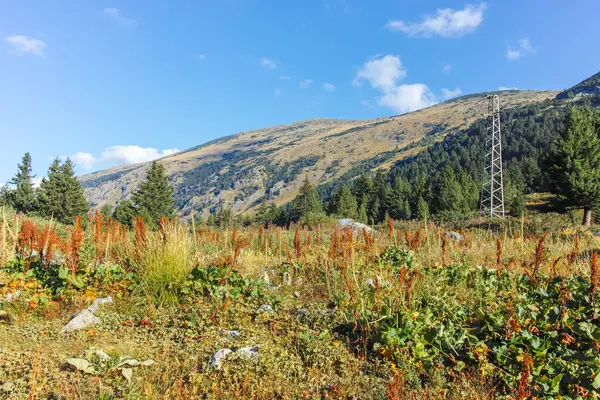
(492, 195)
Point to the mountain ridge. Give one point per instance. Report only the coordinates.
(244, 169)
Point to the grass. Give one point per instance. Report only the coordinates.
(404, 312)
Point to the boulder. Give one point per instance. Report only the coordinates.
(453, 235)
(265, 308)
(357, 227)
(216, 362)
(81, 320)
(248, 352)
(84, 318)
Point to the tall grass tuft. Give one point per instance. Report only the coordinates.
(166, 261)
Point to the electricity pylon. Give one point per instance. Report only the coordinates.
(492, 195)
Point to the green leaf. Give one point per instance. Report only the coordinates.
(555, 386)
(596, 382)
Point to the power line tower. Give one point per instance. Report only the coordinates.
(492, 195)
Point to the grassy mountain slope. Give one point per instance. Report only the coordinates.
(242, 170)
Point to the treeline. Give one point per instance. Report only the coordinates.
(445, 181)
(60, 196)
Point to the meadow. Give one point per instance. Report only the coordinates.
(410, 310)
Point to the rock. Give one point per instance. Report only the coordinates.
(248, 352)
(266, 278)
(356, 227)
(85, 318)
(453, 235)
(265, 308)
(216, 362)
(81, 320)
(230, 334)
(98, 302)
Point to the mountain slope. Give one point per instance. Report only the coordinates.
(240, 171)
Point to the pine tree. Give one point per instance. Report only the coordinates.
(50, 193)
(344, 204)
(75, 203)
(23, 195)
(574, 169)
(307, 203)
(154, 196)
(61, 196)
(362, 211)
(422, 209)
(125, 213)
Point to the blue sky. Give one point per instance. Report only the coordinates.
(116, 82)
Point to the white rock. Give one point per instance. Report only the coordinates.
(265, 308)
(81, 320)
(230, 333)
(248, 352)
(98, 302)
(216, 362)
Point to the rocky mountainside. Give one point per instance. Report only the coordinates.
(242, 170)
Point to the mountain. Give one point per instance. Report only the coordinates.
(242, 170)
(588, 87)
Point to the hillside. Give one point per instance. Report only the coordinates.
(242, 170)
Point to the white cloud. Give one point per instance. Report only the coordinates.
(284, 78)
(447, 68)
(446, 23)
(329, 87)
(449, 94)
(201, 57)
(383, 73)
(268, 64)
(36, 181)
(407, 98)
(119, 155)
(306, 83)
(26, 44)
(507, 88)
(84, 160)
(513, 55)
(116, 14)
(277, 92)
(525, 47)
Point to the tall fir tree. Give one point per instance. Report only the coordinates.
(307, 203)
(574, 167)
(345, 204)
(50, 193)
(125, 213)
(61, 196)
(74, 196)
(22, 197)
(154, 196)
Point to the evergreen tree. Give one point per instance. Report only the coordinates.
(106, 210)
(307, 203)
(125, 213)
(574, 167)
(450, 194)
(75, 203)
(344, 204)
(22, 196)
(422, 209)
(154, 196)
(50, 193)
(362, 210)
(61, 196)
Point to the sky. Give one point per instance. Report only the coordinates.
(116, 82)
